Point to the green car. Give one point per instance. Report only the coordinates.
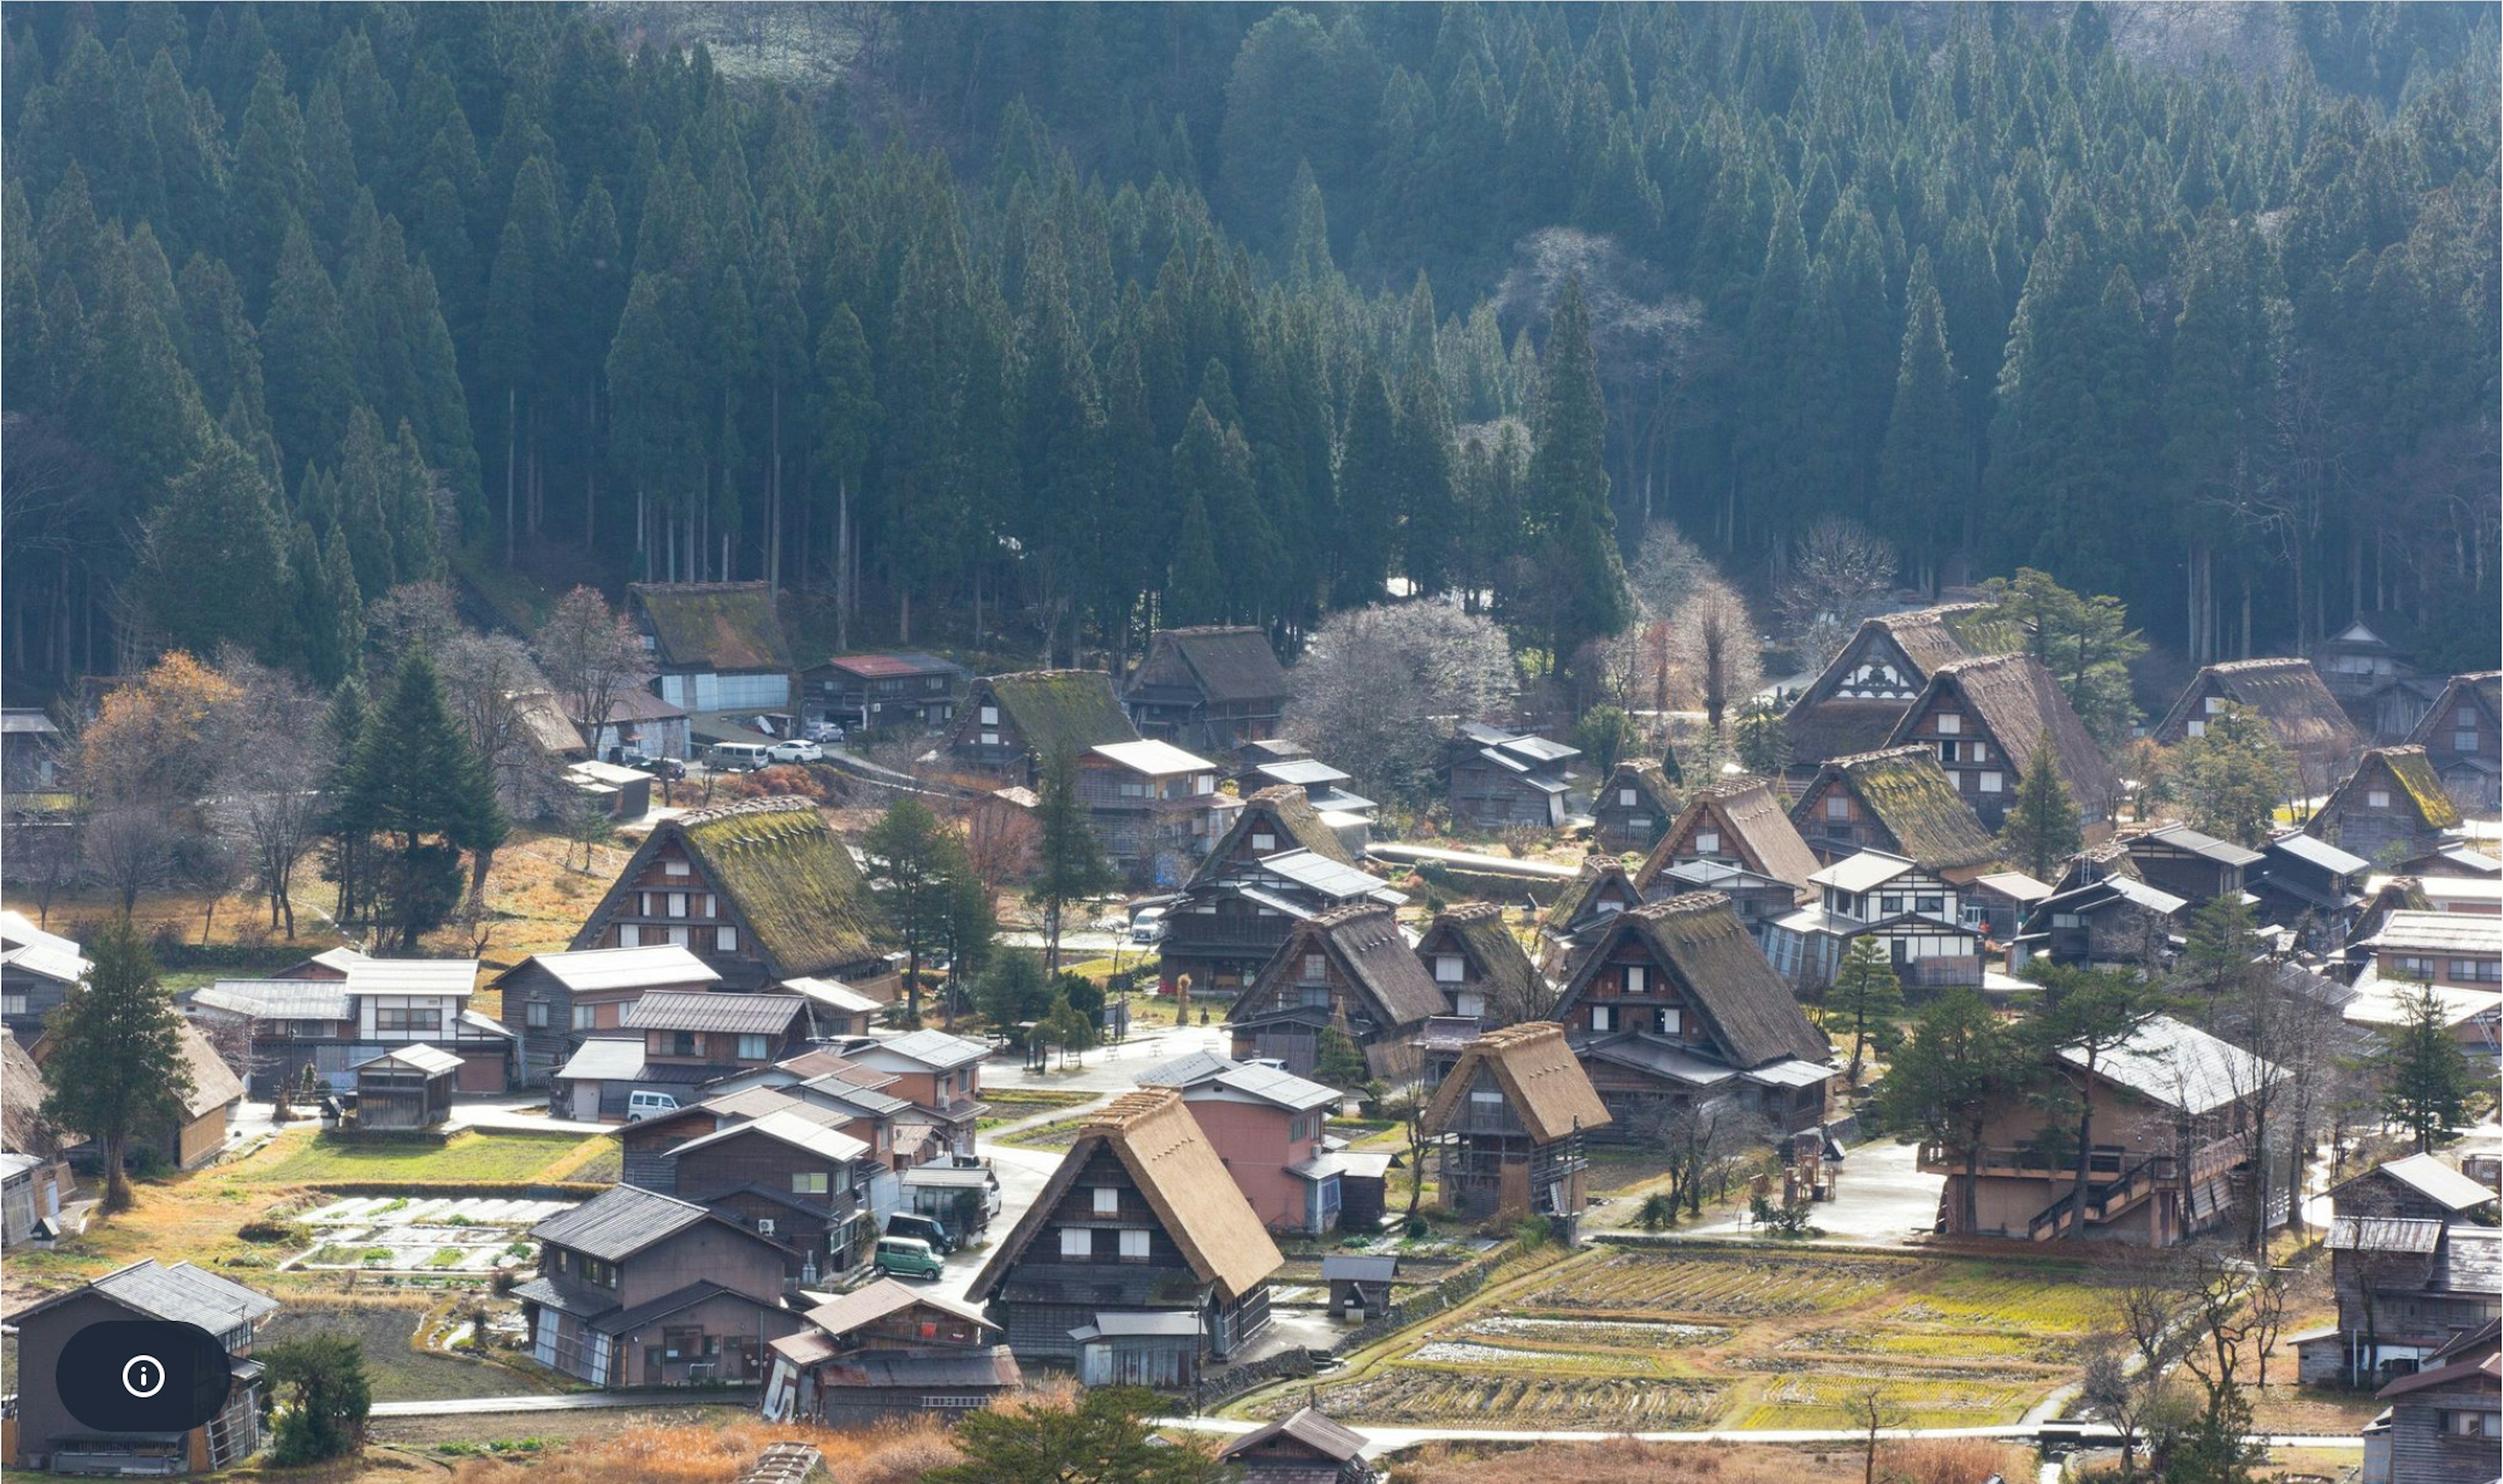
(908, 1257)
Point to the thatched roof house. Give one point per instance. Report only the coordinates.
(1988, 718)
(2287, 694)
(1479, 966)
(1898, 801)
(1738, 820)
(1012, 723)
(2393, 800)
(1534, 1067)
(1862, 693)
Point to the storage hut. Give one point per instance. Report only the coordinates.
(408, 1087)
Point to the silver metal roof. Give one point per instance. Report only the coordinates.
(2177, 1065)
(701, 1010)
(604, 1059)
(455, 976)
(590, 970)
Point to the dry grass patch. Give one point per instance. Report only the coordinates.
(1624, 1460)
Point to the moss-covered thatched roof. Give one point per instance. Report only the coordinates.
(1911, 796)
(717, 626)
(2408, 772)
(784, 879)
(1062, 708)
(1650, 783)
(1503, 965)
(2287, 694)
(2021, 705)
(1708, 954)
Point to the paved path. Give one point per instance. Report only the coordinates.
(514, 1116)
(570, 1402)
(1380, 1441)
(1880, 1199)
(1112, 1068)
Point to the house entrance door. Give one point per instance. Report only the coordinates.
(652, 1373)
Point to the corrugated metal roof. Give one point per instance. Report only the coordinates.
(278, 999)
(1155, 759)
(2439, 1182)
(2314, 852)
(876, 1300)
(587, 970)
(1303, 772)
(785, 1127)
(932, 1048)
(1355, 1270)
(2441, 932)
(2412, 1235)
(2183, 838)
(834, 994)
(1318, 873)
(1863, 872)
(2177, 1065)
(604, 1059)
(423, 1057)
(746, 1015)
(620, 1222)
(186, 1295)
(24, 946)
(413, 976)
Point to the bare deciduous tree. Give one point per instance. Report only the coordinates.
(272, 754)
(484, 676)
(592, 657)
(129, 850)
(1841, 570)
(1701, 1140)
(41, 847)
(1716, 649)
(1380, 688)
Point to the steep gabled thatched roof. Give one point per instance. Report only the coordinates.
(2023, 708)
(718, 625)
(1286, 812)
(1503, 966)
(2287, 694)
(2409, 776)
(1223, 664)
(784, 879)
(1054, 709)
(23, 1129)
(1574, 897)
(1650, 783)
(1754, 826)
(1153, 1133)
(1539, 1075)
(1716, 964)
(1909, 795)
(2485, 688)
(1829, 721)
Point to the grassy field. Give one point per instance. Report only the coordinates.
(309, 1157)
(1009, 1104)
(399, 1370)
(1648, 1339)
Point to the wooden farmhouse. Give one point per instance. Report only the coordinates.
(1155, 807)
(552, 1002)
(2287, 694)
(322, 1028)
(2441, 1421)
(1348, 970)
(2101, 912)
(1140, 1260)
(1359, 1286)
(1633, 809)
(1508, 1125)
(2171, 1118)
(1207, 689)
(1860, 697)
(758, 891)
(1010, 725)
(1995, 902)
(1268, 1129)
(45, 1436)
(790, 1173)
(717, 647)
(1673, 1005)
(1304, 1447)
(1501, 778)
(887, 1350)
(2406, 1287)
(2306, 884)
(37, 968)
(852, 1101)
(1733, 822)
(1900, 800)
(639, 1289)
(1987, 719)
(883, 692)
(1276, 865)
(2418, 1187)
(2371, 667)
(2461, 734)
(35, 1180)
(675, 1042)
(1915, 915)
(2393, 801)
(1482, 972)
(2194, 867)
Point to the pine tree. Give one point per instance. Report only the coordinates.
(311, 377)
(2041, 830)
(417, 777)
(1429, 499)
(1925, 468)
(2232, 777)
(1865, 996)
(118, 1070)
(1571, 529)
(217, 558)
(1368, 485)
(906, 864)
(2426, 1079)
(1069, 864)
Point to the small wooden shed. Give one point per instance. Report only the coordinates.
(404, 1089)
(1362, 1284)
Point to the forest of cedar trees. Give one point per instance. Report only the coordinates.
(1075, 321)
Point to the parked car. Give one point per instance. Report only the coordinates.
(648, 1105)
(825, 732)
(796, 749)
(926, 1228)
(1148, 926)
(658, 767)
(739, 757)
(908, 1257)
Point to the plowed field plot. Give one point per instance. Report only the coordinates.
(1417, 1395)
(1696, 1338)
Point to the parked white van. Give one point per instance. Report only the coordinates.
(648, 1105)
(739, 757)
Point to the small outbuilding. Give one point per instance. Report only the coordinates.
(1305, 1448)
(1358, 1286)
(406, 1087)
